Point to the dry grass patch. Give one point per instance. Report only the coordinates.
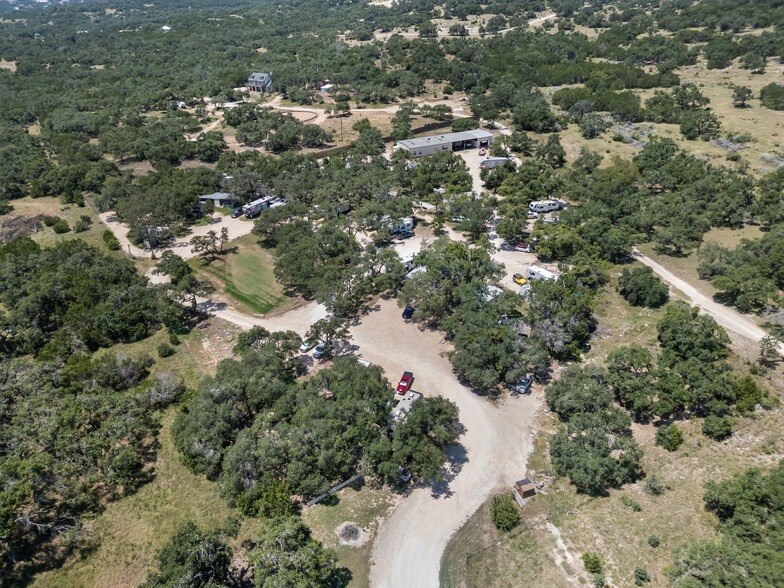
(9, 65)
(731, 238)
(137, 168)
(478, 552)
(46, 237)
(763, 125)
(477, 556)
(365, 507)
(618, 323)
(130, 531)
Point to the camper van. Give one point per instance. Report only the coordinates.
(544, 205)
(539, 273)
(492, 162)
(408, 261)
(402, 225)
(253, 209)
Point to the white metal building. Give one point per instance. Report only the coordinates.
(449, 142)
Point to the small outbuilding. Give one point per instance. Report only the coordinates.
(524, 490)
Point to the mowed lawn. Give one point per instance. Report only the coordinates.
(245, 274)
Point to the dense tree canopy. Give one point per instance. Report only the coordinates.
(748, 551)
(253, 425)
(71, 296)
(73, 435)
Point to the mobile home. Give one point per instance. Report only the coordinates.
(539, 273)
(544, 205)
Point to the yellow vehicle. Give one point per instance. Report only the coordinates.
(519, 279)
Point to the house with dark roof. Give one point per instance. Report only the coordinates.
(260, 82)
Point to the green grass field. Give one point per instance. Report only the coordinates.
(245, 275)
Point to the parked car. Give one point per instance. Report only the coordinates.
(458, 219)
(524, 247)
(551, 220)
(405, 382)
(306, 346)
(405, 474)
(408, 312)
(519, 279)
(236, 213)
(532, 214)
(320, 350)
(405, 234)
(524, 385)
(364, 362)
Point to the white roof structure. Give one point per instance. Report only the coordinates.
(474, 135)
(404, 406)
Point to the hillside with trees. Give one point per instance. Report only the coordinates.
(655, 124)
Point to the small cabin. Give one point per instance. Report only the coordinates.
(525, 488)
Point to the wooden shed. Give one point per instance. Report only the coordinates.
(525, 488)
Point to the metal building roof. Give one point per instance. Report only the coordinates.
(473, 135)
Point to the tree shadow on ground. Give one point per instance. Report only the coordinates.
(457, 457)
(211, 306)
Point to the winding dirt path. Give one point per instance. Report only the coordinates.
(727, 317)
(492, 452)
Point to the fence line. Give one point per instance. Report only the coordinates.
(318, 499)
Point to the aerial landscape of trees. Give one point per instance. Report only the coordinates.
(134, 111)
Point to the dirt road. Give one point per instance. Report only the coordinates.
(298, 320)
(493, 450)
(726, 317)
(238, 227)
(492, 453)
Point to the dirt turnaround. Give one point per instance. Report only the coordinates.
(491, 453)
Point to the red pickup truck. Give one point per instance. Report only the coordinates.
(405, 382)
